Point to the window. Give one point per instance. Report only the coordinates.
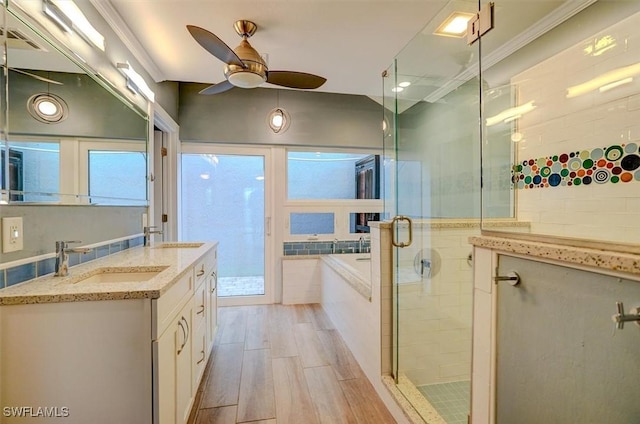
(117, 175)
(331, 195)
(322, 175)
(34, 171)
(312, 223)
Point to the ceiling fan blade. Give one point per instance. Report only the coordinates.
(293, 79)
(217, 88)
(38, 77)
(214, 45)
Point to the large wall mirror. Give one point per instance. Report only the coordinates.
(68, 137)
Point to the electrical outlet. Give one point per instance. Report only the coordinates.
(12, 235)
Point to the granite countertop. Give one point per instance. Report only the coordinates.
(173, 262)
(601, 258)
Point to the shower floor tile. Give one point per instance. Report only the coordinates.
(451, 400)
(240, 286)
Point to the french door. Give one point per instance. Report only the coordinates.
(226, 197)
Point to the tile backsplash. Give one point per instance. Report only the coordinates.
(11, 275)
(296, 248)
(577, 154)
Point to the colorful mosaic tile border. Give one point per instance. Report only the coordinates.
(612, 164)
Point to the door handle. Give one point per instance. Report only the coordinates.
(394, 222)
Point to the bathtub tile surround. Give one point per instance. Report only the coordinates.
(324, 247)
(12, 273)
(300, 280)
(355, 270)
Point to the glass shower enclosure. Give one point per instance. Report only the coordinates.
(517, 116)
(432, 177)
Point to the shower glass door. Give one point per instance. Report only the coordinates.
(223, 199)
(432, 176)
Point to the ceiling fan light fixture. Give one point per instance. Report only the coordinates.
(246, 79)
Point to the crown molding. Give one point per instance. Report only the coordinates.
(122, 30)
(546, 24)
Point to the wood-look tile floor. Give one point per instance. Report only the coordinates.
(275, 364)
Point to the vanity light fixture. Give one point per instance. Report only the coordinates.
(68, 16)
(455, 25)
(135, 82)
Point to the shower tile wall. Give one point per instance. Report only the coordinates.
(562, 123)
(435, 313)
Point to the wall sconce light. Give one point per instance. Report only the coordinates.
(135, 82)
(68, 16)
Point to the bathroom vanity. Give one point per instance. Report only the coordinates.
(123, 339)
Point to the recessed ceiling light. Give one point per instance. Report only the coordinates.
(397, 89)
(404, 84)
(455, 25)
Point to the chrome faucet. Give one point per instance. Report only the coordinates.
(62, 256)
(148, 232)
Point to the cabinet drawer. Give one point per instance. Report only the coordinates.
(204, 265)
(200, 306)
(166, 307)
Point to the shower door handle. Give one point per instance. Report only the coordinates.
(394, 222)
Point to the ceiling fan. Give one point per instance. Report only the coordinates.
(245, 68)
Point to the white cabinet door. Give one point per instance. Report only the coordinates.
(172, 370)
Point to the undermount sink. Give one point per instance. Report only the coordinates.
(178, 245)
(121, 275)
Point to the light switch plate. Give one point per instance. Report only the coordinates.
(12, 235)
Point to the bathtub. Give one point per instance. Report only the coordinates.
(355, 269)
